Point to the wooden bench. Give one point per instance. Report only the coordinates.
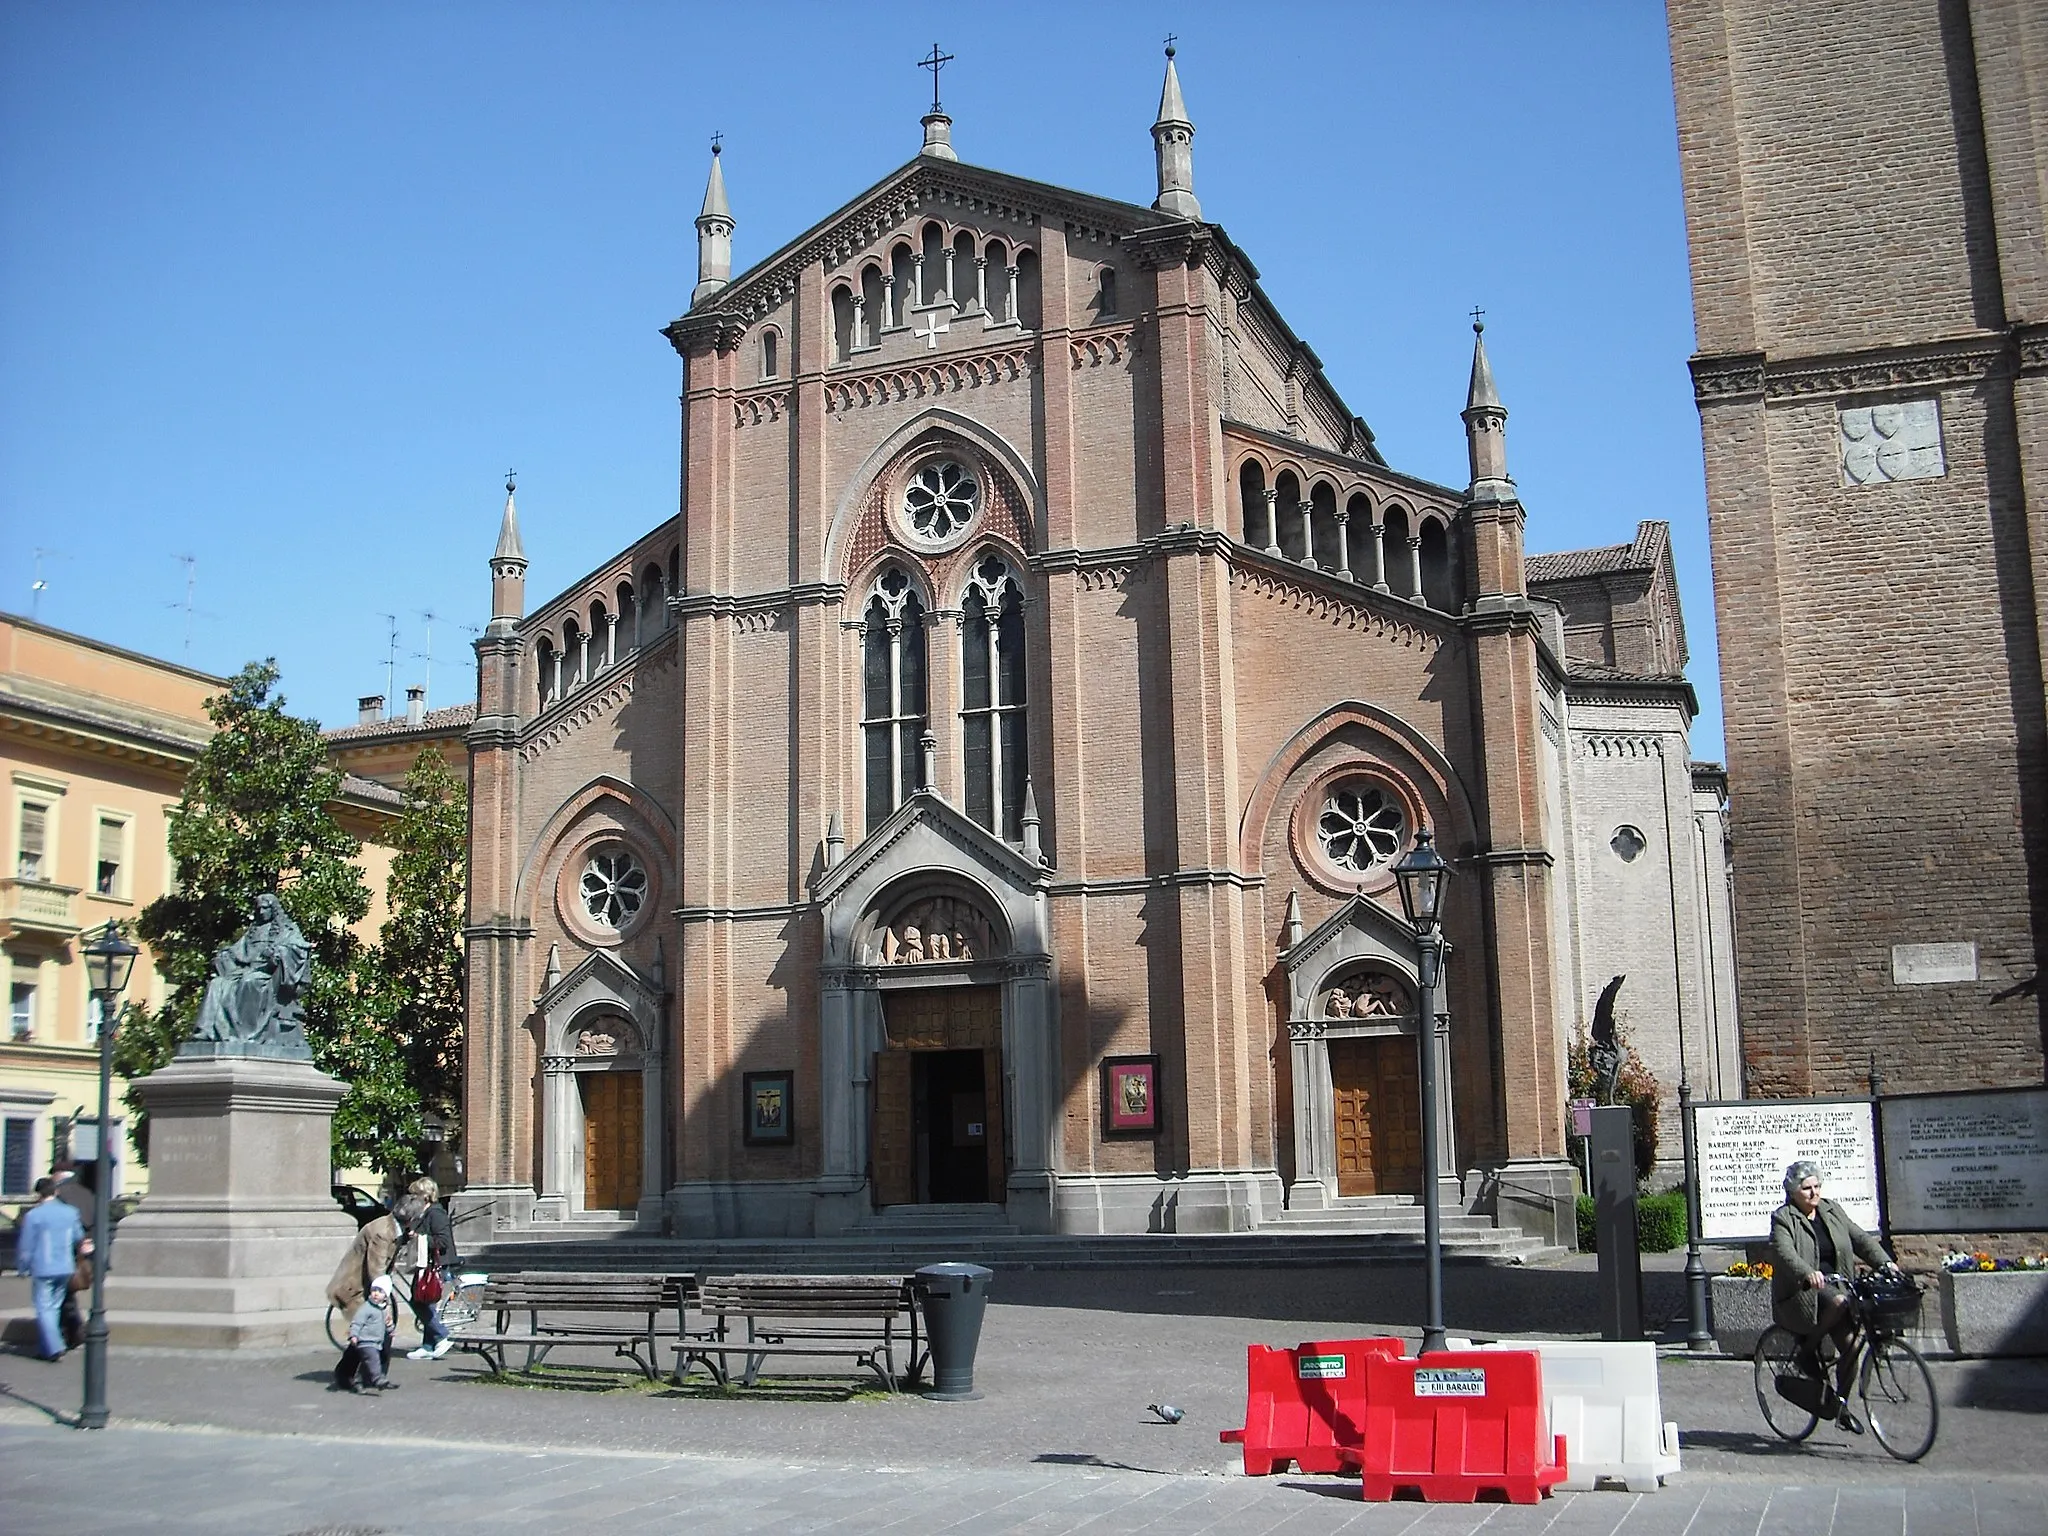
(859, 1317)
(624, 1311)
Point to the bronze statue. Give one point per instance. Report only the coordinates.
(1605, 1052)
(253, 1005)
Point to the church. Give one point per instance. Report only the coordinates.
(978, 801)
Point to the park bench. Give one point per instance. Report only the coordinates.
(756, 1317)
(624, 1311)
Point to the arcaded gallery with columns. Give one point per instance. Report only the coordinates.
(978, 798)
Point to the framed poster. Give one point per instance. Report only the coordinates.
(769, 1111)
(1130, 1096)
(1966, 1162)
(1745, 1146)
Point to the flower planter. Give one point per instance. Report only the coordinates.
(1999, 1313)
(1741, 1311)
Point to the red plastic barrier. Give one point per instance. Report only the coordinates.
(1458, 1422)
(1306, 1405)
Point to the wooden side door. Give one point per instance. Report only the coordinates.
(891, 1146)
(611, 1140)
(1353, 1079)
(1397, 1116)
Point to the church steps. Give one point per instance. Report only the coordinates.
(888, 1254)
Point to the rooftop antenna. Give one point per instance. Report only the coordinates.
(428, 654)
(390, 656)
(191, 564)
(935, 63)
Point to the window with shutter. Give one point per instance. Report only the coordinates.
(28, 863)
(107, 871)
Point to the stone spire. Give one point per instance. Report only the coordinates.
(508, 567)
(1173, 141)
(1033, 849)
(1291, 933)
(1486, 427)
(714, 233)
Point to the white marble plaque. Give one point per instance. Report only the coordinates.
(1920, 965)
(1882, 443)
(1967, 1162)
(1745, 1148)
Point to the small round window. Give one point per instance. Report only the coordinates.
(1627, 844)
(941, 501)
(1360, 826)
(613, 887)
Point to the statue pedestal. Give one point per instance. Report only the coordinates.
(239, 1235)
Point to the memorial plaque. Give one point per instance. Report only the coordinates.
(1967, 1162)
(1922, 965)
(1744, 1149)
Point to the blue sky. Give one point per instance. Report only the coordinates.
(286, 288)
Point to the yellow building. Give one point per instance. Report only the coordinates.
(95, 742)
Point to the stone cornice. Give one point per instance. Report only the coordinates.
(1514, 858)
(1749, 376)
(948, 374)
(726, 605)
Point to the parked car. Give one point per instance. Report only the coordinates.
(359, 1203)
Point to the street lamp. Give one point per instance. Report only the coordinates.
(1422, 875)
(109, 959)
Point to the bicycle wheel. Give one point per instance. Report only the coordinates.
(337, 1327)
(1899, 1401)
(461, 1302)
(1777, 1361)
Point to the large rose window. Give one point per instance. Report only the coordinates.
(613, 888)
(1360, 827)
(941, 500)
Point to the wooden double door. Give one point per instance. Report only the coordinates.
(611, 1140)
(1378, 1084)
(936, 1127)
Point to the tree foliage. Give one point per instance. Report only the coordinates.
(421, 958)
(255, 816)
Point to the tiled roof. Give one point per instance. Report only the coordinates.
(454, 717)
(355, 787)
(1572, 564)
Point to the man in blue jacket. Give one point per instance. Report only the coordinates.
(46, 1250)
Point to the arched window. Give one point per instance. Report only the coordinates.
(902, 286)
(575, 655)
(1400, 563)
(547, 667)
(653, 604)
(997, 283)
(1105, 294)
(771, 365)
(1364, 541)
(934, 270)
(1027, 290)
(1439, 590)
(629, 617)
(842, 323)
(1293, 535)
(992, 697)
(602, 636)
(892, 693)
(874, 315)
(1254, 525)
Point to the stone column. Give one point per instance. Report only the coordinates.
(860, 321)
(981, 284)
(1343, 543)
(1415, 566)
(950, 290)
(1010, 308)
(558, 1135)
(889, 300)
(1307, 509)
(1379, 556)
(1273, 523)
(239, 1236)
(917, 293)
(1315, 1121)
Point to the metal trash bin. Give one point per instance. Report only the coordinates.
(953, 1297)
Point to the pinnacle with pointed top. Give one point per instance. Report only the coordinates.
(715, 225)
(1292, 930)
(1173, 136)
(1033, 849)
(508, 569)
(1486, 427)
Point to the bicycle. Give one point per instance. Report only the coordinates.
(1893, 1384)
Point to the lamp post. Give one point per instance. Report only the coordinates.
(108, 960)
(1422, 875)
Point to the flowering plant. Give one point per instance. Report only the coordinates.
(1743, 1270)
(1960, 1263)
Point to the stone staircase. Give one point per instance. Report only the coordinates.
(1372, 1230)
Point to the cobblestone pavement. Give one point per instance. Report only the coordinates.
(1060, 1440)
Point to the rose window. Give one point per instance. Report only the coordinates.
(1360, 827)
(941, 500)
(614, 885)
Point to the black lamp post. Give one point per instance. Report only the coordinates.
(1422, 875)
(109, 959)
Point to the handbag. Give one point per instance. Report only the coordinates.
(426, 1286)
(81, 1276)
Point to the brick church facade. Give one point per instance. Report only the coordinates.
(1866, 195)
(984, 792)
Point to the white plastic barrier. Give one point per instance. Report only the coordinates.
(1603, 1399)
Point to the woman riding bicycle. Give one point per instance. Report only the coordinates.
(1812, 1239)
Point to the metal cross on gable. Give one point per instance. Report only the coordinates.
(934, 327)
(935, 63)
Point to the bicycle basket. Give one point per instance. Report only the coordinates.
(1892, 1305)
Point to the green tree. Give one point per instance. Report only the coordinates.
(1636, 1087)
(421, 957)
(255, 816)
